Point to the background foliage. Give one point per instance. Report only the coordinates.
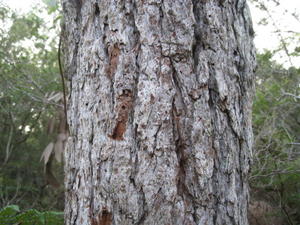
(276, 119)
(275, 177)
(12, 215)
(29, 79)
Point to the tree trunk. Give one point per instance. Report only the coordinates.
(159, 111)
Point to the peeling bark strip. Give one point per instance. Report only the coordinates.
(113, 52)
(124, 102)
(159, 111)
(104, 218)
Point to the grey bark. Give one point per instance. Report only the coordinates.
(159, 111)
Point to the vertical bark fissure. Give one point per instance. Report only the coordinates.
(77, 212)
(91, 206)
(136, 141)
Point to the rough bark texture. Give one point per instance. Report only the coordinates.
(159, 111)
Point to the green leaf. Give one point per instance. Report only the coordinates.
(30, 217)
(55, 218)
(7, 214)
(52, 5)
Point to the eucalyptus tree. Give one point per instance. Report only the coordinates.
(159, 111)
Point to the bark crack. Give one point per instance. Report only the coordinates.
(144, 208)
(91, 172)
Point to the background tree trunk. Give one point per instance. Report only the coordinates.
(159, 111)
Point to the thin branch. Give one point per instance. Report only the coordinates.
(8, 145)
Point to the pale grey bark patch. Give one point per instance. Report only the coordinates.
(159, 111)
